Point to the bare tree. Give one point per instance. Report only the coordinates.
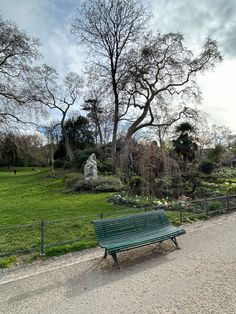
(220, 135)
(160, 69)
(109, 28)
(167, 114)
(52, 132)
(61, 97)
(17, 52)
(98, 105)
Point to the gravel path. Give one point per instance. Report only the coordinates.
(199, 278)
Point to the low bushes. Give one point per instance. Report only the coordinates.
(101, 184)
(138, 201)
(215, 206)
(206, 166)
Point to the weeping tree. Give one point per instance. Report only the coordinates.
(151, 170)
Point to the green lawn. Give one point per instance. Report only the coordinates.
(31, 196)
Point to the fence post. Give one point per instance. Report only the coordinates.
(180, 213)
(101, 215)
(228, 207)
(42, 227)
(206, 206)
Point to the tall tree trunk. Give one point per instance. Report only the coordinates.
(69, 151)
(114, 138)
(115, 125)
(100, 134)
(116, 119)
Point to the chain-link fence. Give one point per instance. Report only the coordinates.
(58, 236)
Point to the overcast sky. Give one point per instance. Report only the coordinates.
(50, 21)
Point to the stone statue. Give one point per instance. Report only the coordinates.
(90, 168)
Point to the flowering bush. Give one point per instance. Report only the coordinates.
(137, 201)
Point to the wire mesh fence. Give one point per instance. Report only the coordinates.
(49, 237)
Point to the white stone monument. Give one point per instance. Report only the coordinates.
(90, 168)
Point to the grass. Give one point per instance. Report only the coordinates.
(29, 197)
(32, 196)
(7, 262)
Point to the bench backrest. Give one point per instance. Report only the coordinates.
(132, 224)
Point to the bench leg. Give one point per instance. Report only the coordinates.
(176, 243)
(105, 254)
(115, 260)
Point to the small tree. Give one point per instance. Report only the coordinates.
(52, 133)
(184, 145)
(80, 136)
(48, 91)
(216, 154)
(79, 132)
(9, 151)
(95, 111)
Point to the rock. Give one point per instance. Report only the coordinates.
(90, 168)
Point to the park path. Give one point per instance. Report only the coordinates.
(199, 278)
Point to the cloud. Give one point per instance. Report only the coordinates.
(198, 19)
(218, 88)
(50, 21)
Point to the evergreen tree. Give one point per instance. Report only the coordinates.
(184, 145)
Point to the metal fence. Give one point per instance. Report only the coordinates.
(49, 237)
(52, 236)
(204, 208)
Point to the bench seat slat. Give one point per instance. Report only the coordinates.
(120, 243)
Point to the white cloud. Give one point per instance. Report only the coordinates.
(50, 21)
(218, 89)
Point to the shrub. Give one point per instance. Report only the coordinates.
(68, 164)
(102, 184)
(58, 163)
(206, 166)
(104, 167)
(136, 184)
(72, 178)
(81, 156)
(214, 206)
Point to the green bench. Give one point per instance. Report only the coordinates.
(125, 233)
